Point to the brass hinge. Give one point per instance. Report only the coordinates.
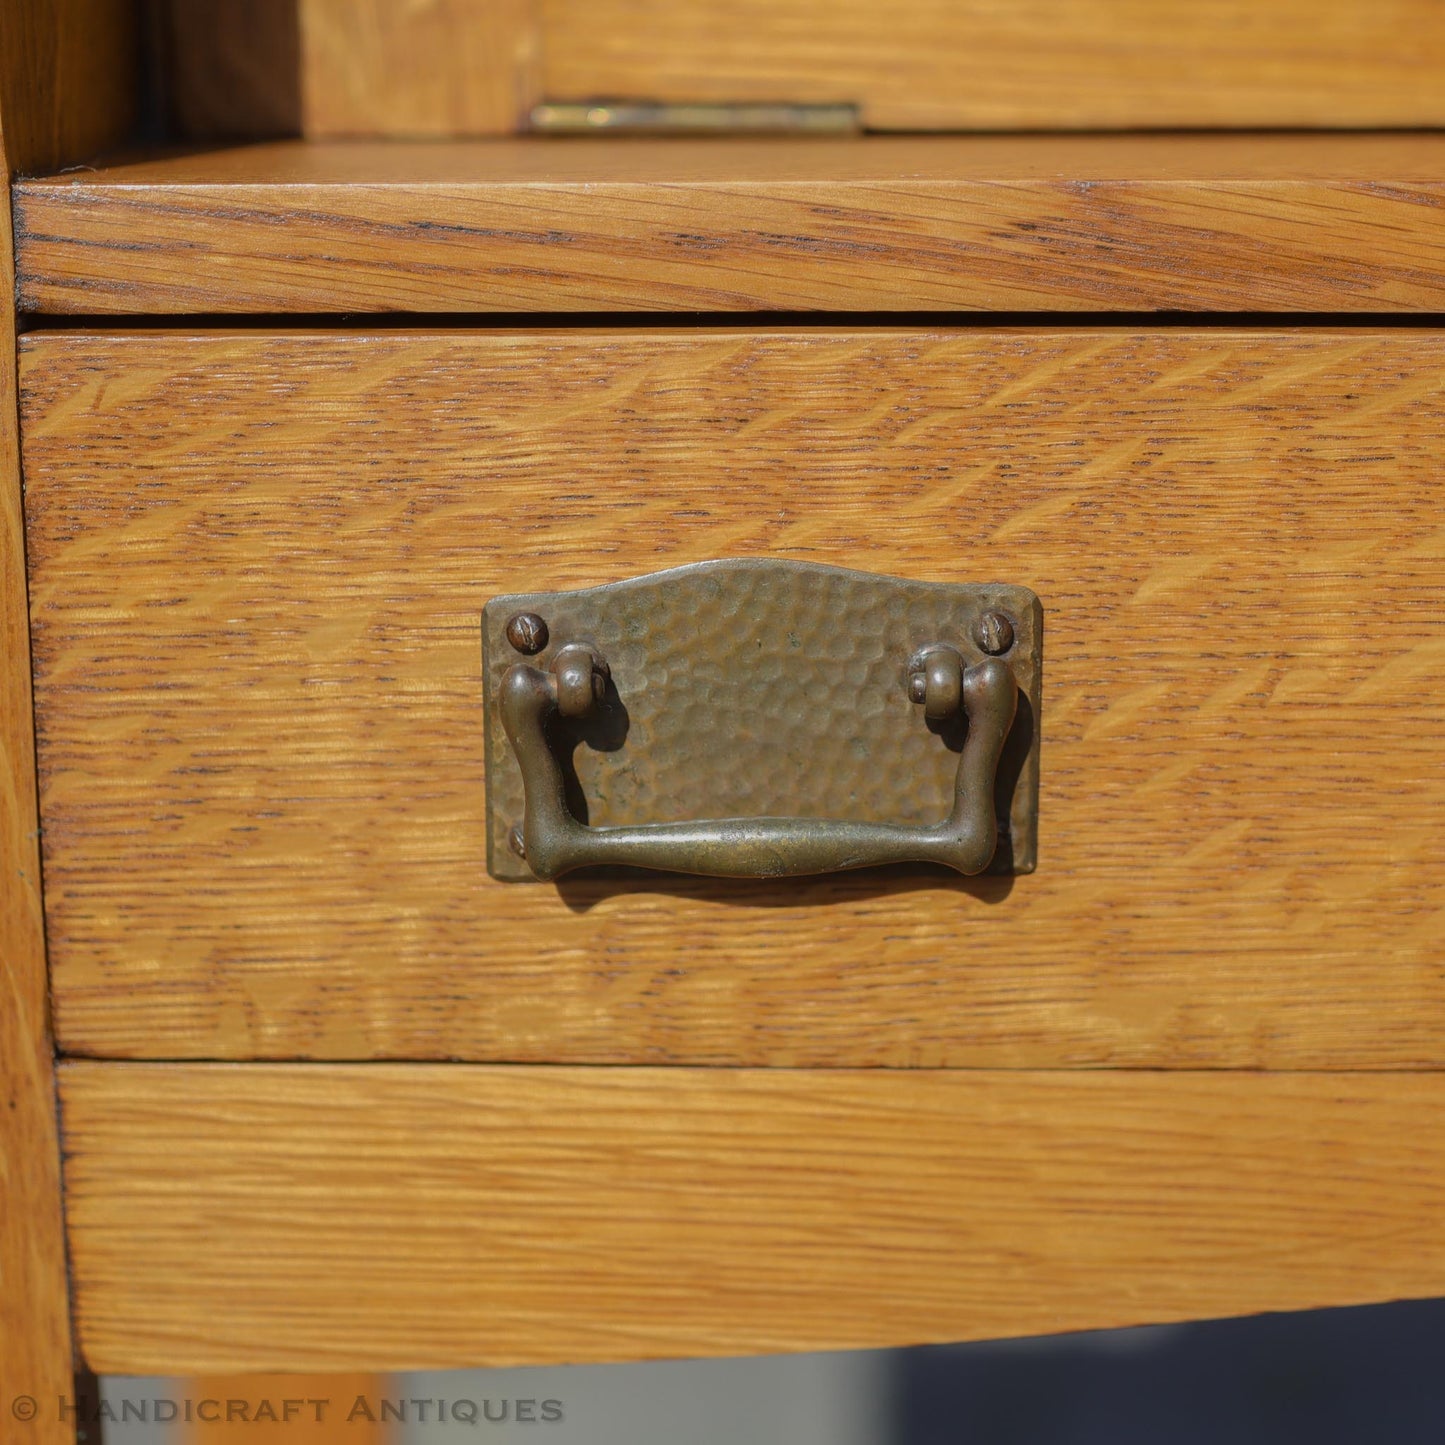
(577, 118)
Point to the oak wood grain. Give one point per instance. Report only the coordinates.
(1024, 65)
(34, 1309)
(259, 561)
(69, 72)
(58, 102)
(429, 1215)
(1088, 223)
(231, 68)
(430, 68)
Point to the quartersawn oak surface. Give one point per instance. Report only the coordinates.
(468, 67)
(34, 1314)
(63, 94)
(886, 223)
(228, 68)
(1020, 65)
(401, 1216)
(447, 68)
(375, 68)
(259, 561)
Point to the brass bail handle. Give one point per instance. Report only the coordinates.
(554, 842)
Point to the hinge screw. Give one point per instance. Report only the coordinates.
(517, 840)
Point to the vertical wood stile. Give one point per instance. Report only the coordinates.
(65, 92)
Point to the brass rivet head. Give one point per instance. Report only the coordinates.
(994, 633)
(516, 840)
(918, 687)
(527, 633)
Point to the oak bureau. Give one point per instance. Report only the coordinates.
(409, 505)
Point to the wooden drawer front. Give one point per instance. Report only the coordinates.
(258, 562)
(427, 1215)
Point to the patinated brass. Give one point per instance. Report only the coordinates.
(527, 633)
(620, 117)
(994, 633)
(762, 718)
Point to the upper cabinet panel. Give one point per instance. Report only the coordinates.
(375, 69)
(1015, 64)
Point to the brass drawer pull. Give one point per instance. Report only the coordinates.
(757, 648)
(554, 842)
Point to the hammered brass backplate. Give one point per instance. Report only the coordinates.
(757, 697)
